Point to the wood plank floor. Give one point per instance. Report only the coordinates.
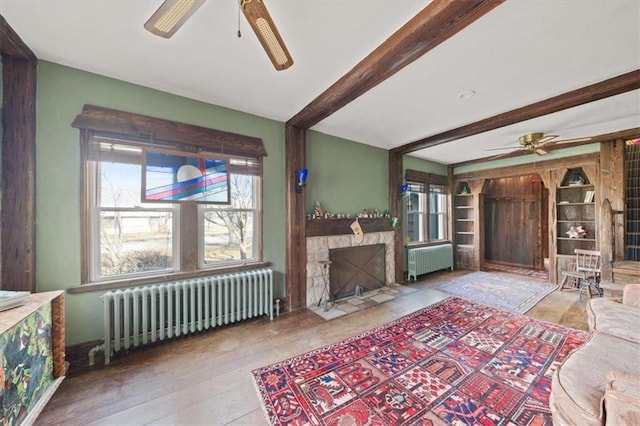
(206, 379)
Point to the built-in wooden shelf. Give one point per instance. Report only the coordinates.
(323, 227)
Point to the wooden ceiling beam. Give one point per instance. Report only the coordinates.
(433, 25)
(594, 92)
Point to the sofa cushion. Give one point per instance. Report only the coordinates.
(622, 399)
(579, 383)
(631, 295)
(610, 317)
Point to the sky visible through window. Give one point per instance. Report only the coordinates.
(122, 185)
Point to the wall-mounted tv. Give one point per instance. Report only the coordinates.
(170, 177)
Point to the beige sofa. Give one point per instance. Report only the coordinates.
(599, 383)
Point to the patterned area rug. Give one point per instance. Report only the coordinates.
(455, 362)
(502, 291)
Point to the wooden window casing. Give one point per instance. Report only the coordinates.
(101, 124)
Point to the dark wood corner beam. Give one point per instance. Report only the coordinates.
(396, 210)
(295, 204)
(611, 87)
(18, 224)
(433, 25)
(12, 45)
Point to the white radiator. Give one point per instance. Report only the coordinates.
(423, 260)
(141, 315)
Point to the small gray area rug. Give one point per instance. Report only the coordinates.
(502, 291)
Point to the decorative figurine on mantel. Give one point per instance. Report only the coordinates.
(317, 213)
(395, 223)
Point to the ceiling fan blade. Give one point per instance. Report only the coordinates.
(256, 13)
(545, 139)
(170, 16)
(497, 156)
(540, 151)
(512, 148)
(574, 140)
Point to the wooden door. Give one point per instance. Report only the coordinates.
(513, 221)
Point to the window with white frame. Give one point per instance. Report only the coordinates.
(130, 238)
(425, 205)
(437, 213)
(228, 232)
(126, 239)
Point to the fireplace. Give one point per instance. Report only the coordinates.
(353, 267)
(319, 247)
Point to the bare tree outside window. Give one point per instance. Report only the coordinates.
(229, 229)
(134, 237)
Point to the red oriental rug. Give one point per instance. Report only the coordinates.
(455, 362)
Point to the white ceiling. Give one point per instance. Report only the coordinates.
(521, 52)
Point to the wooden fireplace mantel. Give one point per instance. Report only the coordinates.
(324, 227)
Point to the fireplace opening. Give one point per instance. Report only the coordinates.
(359, 266)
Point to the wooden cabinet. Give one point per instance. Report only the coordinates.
(32, 353)
(464, 220)
(576, 214)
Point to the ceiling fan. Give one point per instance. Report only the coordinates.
(172, 14)
(535, 143)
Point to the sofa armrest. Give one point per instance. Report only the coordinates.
(631, 295)
(606, 316)
(621, 401)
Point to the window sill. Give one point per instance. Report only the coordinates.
(110, 285)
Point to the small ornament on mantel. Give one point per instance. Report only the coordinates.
(317, 213)
(357, 231)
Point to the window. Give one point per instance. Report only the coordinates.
(228, 231)
(437, 212)
(416, 206)
(127, 237)
(128, 240)
(425, 208)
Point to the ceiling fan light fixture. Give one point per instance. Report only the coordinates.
(258, 17)
(530, 138)
(170, 16)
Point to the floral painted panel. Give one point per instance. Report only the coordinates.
(27, 365)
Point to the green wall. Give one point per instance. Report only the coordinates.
(415, 163)
(61, 94)
(345, 176)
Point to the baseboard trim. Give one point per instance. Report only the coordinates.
(78, 356)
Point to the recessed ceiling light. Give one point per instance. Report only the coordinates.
(467, 94)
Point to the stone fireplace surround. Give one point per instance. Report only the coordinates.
(318, 249)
